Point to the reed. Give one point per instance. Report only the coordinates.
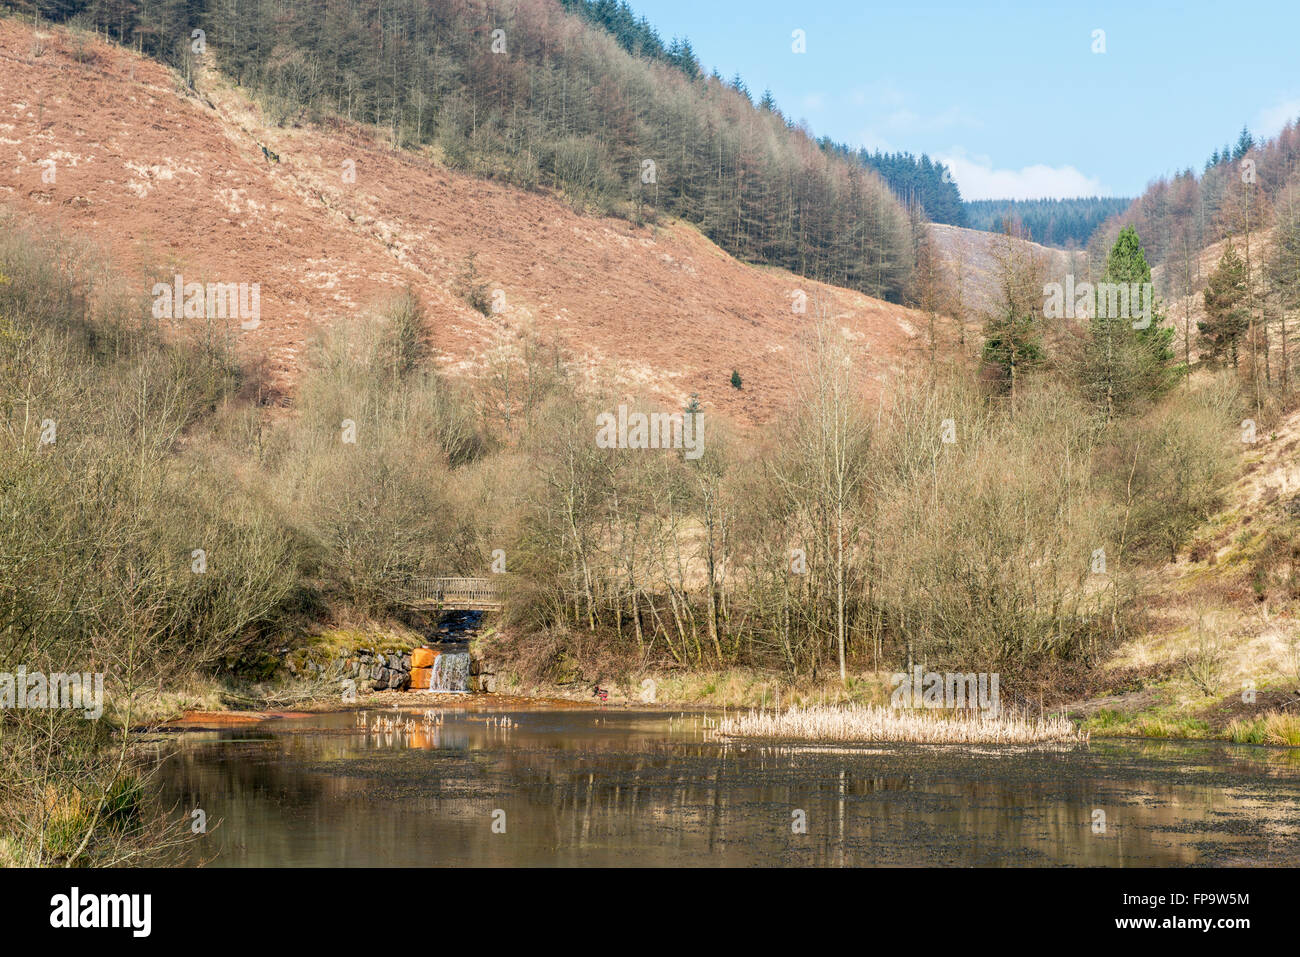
(874, 723)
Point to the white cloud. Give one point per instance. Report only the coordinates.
(977, 179)
(1269, 122)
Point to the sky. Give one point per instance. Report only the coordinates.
(1011, 94)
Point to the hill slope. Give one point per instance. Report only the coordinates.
(969, 258)
(163, 179)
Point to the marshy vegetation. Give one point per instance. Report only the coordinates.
(868, 723)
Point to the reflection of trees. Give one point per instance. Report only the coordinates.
(573, 794)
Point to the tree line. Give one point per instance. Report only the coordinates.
(1238, 312)
(1051, 222)
(915, 180)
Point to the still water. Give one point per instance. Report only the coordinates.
(613, 787)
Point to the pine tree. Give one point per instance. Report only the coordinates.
(1127, 263)
(1245, 143)
(1123, 363)
(1225, 306)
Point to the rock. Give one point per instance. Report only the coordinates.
(423, 657)
(394, 662)
(488, 683)
(381, 679)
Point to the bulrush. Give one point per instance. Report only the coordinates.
(872, 723)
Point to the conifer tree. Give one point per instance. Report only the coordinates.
(1127, 357)
(1225, 306)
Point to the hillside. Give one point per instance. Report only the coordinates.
(169, 182)
(969, 258)
(1221, 622)
(1181, 285)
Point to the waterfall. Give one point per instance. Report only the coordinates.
(450, 672)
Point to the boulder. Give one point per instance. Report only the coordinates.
(420, 678)
(423, 657)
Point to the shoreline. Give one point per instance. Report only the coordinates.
(1140, 726)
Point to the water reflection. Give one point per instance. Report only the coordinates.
(645, 788)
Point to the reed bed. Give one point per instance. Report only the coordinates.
(873, 723)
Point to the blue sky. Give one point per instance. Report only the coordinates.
(1010, 93)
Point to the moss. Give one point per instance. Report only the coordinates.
(332, 642)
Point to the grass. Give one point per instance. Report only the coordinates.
(1111, 723)
(739, 687)
(1272, 728)
(874, 723)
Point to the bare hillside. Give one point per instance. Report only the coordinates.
(112, 148)
(969, 258)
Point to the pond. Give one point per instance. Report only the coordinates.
(609, 787)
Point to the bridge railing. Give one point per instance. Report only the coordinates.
(452, 591)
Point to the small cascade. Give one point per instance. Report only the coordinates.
(450, 672)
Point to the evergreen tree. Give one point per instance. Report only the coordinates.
(1121, 363)
(1127, 264)
(1245, 143)
(1052, 222)
(1226, 316)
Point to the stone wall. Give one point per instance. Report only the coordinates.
(378, 671)
(372, 670)
(482, 675)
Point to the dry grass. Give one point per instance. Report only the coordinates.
(1272, 728)
(872, 723)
